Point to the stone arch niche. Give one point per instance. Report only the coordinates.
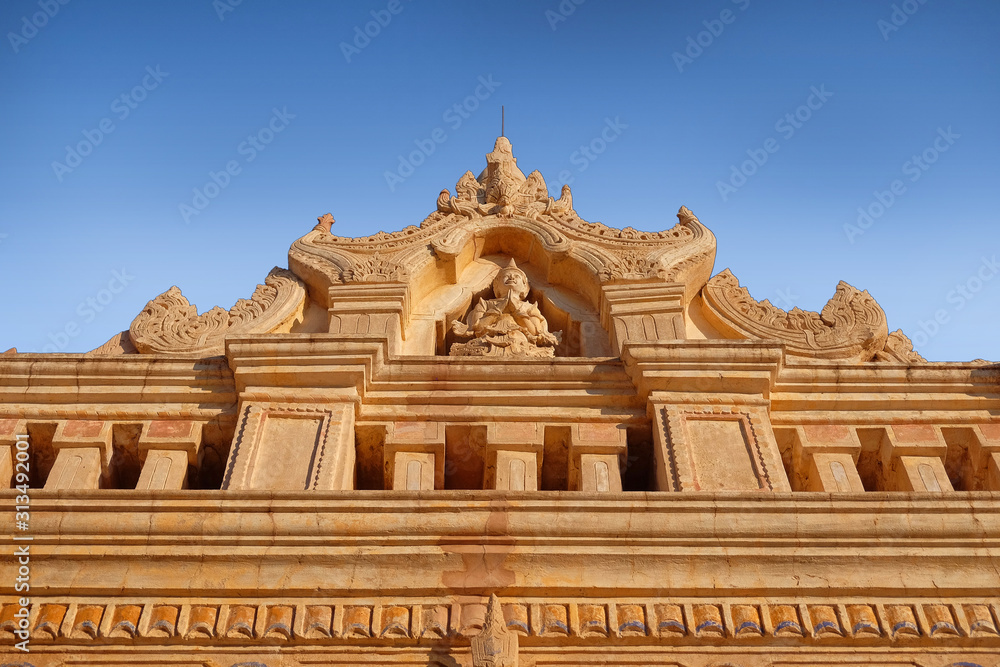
(564, 288)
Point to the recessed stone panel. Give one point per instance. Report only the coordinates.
(287, 452)
(721, 455)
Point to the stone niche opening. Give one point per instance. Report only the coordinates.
(124, 467)
(430, 328)
(466, 464)
(212, 455)
(43, 456)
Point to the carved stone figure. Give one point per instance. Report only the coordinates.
(507, 325)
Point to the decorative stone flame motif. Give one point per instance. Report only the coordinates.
(506, 326)
(502, 189)
(170, 324)
(629, 265)
(495, 646)
(851, 326)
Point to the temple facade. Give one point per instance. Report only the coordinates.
(504, 437)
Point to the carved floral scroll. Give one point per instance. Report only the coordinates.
(851, 327)
(169, 324)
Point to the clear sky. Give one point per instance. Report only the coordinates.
(774, 121)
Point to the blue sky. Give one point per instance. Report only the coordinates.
(830, 102)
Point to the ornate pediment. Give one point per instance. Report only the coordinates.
(502, 201)
(501, 211)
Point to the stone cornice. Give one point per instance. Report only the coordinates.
(930, 392)
(703, 366)
(52, 386)
(87, 542)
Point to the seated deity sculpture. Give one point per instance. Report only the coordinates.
(506, 325)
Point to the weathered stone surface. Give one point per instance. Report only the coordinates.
(506, 436)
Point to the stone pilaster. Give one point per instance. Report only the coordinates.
(9, 430)
(643, 312)
(514, 455)
(596, 452)
(912, 457)
(824, 458)
(373, 309)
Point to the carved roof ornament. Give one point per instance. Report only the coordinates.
(169, 324)
(502, 189)
(495, 646)
(325, 222)
(851, 327)
(507, 325)
(502, 200)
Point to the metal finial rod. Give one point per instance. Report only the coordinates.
(501, 121)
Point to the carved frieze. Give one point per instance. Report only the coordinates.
(170, 325)
(735, 622)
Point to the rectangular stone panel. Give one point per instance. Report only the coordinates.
(293, 447)
(721, 455)
(716, 448)
(286, 456)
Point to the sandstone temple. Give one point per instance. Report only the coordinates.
(504, 437)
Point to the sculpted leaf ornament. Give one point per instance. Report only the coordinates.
(169, 324)
(373, 269)
(851, 327)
